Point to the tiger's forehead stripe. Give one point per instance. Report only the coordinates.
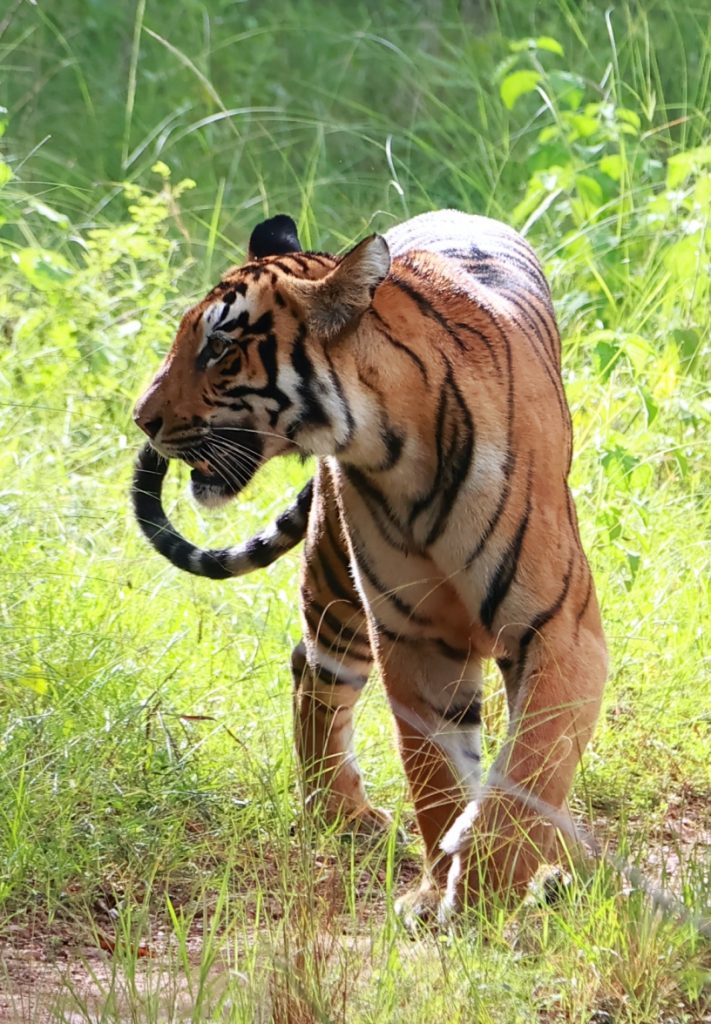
(220, 314)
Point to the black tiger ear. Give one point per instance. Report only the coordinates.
(274, 237)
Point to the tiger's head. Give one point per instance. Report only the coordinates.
(249, 375)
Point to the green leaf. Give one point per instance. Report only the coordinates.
(630, 117)
(612, 165)
(568, 87)
(517, 84)
(35, 680)
(690, 343)
(683, 165)
(5, 173)
(43, 268)
(683, 258)
(589, 189)
(651, 407)
(607, 351)
(550, 44)
(584, 126)
(540, 43)
(48, 212)
(638, 350)
(633, 561)
(555, 154)
(547, 134)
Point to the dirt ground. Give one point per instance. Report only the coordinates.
(69, 972)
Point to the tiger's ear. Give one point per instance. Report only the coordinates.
(274, 237)
(339, 299)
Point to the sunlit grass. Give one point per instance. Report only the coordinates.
(150, 824)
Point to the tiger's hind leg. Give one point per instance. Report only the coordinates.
(330, 669)
(498, 844)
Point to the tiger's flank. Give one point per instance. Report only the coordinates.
(422, 369)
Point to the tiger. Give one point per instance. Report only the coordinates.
(422, 371)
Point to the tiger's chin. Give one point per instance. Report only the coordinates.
(214, 483)
(210, 491)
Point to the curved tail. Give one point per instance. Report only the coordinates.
(219, 563)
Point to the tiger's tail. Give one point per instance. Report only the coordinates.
(219, 563)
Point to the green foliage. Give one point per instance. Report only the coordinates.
(145, 751)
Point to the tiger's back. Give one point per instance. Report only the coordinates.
(423, 372)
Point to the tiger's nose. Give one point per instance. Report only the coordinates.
(149, 424)
(152, 427)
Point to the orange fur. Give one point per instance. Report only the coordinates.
(423, 372)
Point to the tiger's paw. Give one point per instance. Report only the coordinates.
(367, 820)
(361, 820)
(421, 908)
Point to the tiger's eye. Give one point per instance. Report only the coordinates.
(218, 344)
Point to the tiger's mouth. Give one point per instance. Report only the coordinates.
(223, 465)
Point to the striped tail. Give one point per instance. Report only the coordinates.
(220, 563)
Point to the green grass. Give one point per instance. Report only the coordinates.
(147, 781)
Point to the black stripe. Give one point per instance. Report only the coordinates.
(394, 444)
(292, 522)
(421, 275)
(426, 307)
(429, 310)
(455, 653)
(392, 440)
(396, 638)
(454, 437)
(386, 332)
(267, 350)
(311, 412)
(484, 266)
(276, 264)
(543, 354)
(497, 279)
(335, 585)
(322, 259)
(482, 337)
(542, 619)
(496, 516)
(528, 309)
(469, 715)
(338, 546)
(329, 678)
(149, 473)
(507, 567)
(527, 255)
(586, 602)
(148, 478)
(397, 602)
(345, 404)
(332, 637)
(379, 508)
(353, 636)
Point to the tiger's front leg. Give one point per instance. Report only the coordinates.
(330, 668)
(436, 701)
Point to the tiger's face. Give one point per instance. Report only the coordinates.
(247, 377)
